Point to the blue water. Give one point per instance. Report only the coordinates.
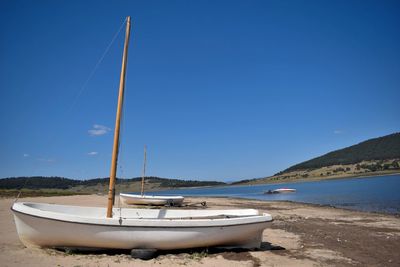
(377, 194)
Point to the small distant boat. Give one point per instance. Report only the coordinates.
(281, 190)
(142, 199)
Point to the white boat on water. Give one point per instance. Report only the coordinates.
(281, 190)
(142, 199)
(49, 225)
(134, 199)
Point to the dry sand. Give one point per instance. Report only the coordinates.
(301, 235)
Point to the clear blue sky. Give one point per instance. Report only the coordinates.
(218, 90)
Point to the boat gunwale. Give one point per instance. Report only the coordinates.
(118, 221)
(146, 226)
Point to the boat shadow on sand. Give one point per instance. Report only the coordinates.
(230, 253)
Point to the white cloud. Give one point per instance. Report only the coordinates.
(98, 130)
(93, 153)
(26, 155)
(338, 131)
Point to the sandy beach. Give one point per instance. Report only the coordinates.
(300, 235)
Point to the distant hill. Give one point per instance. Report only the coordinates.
(377, 156)
(381, 148)
(39, 182)
(372, 157)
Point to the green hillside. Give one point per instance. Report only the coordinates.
(381, 148)
(39, 182)
(378, 156)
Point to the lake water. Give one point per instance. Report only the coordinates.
(378, 193)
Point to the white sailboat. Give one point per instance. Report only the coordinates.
(154, 200)
(49, 225)
(142, 199)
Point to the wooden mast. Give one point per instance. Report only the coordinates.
(144, 170)
(114, 160)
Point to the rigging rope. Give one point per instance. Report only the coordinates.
(81, 90)
(20, 190)
(96, 66)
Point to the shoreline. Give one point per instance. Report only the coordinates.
(300, 235)
(319, 179)
(364, 208)
(395, 215)
(276, 183)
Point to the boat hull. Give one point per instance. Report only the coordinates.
(36, 231)
(132, 199)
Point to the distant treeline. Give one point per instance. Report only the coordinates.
(382, 148)
(40, 182)
(245, 181)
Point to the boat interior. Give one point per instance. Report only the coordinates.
(162, 213)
